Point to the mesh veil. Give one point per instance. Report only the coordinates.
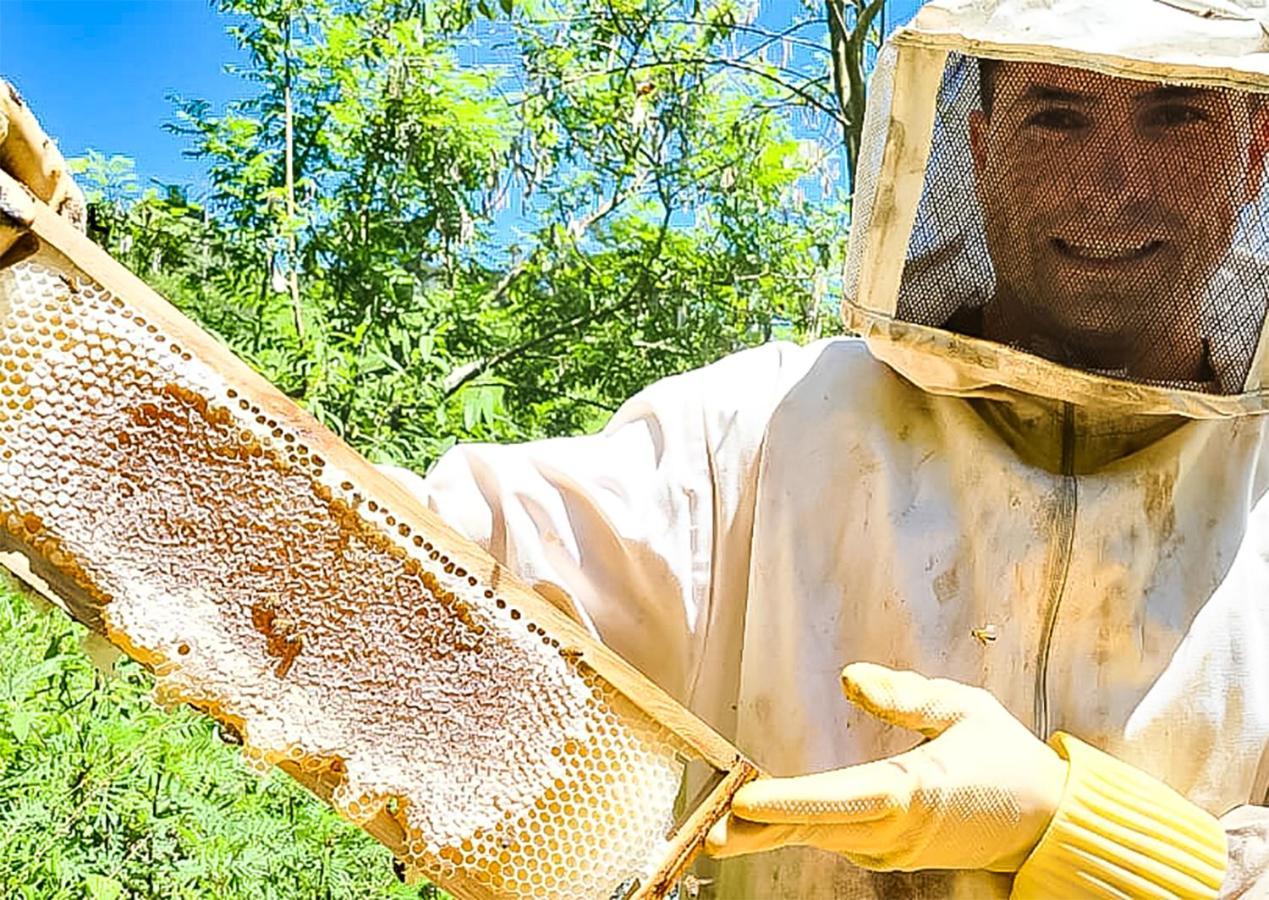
(1108, 224)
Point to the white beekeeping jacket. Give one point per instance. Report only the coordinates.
(1086, 540)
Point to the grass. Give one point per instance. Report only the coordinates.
(103, 795)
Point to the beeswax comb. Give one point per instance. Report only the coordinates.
(172, 500)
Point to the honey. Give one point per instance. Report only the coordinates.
(262, 582)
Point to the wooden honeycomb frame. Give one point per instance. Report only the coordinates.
(131, 443)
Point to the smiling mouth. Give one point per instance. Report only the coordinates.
(1111, 252)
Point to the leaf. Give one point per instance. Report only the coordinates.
(101, 887)
(471, 409)
(20, 724)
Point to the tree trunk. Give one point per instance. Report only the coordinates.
(292, 262)
(848, 45)
(839, 47)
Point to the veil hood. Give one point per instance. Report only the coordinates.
(912, 233)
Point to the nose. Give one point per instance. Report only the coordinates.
(1115, 168)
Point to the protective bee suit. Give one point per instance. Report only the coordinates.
(1036, 479)
(1040, 470)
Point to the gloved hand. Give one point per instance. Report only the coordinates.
(30, 156)
(978, 795)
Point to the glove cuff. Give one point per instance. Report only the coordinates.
(1118, 832)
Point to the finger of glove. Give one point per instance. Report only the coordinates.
(732, 836)
(907, 699)
(865, 844)
(31, 156)
(856, 794)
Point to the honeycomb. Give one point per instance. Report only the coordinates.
(193, 525)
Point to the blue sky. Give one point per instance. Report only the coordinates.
(98, 72)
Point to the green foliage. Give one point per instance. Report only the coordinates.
(104, 795)
(494, 221)
(662, 221)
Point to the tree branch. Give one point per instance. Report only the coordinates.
(576, 228)
(466, 373)
(759, 71)
(744, 29)
(293, 278)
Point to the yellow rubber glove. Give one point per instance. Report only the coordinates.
(978, 795)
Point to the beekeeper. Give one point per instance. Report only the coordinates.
(1023, 509)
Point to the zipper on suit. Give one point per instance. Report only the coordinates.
(1057, 566)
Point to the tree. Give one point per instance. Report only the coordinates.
(652, 237)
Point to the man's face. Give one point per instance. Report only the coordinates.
(1108, 203)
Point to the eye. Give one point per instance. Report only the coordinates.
(1057, 118)
(1175, 115)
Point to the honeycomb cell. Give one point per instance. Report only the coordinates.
(214, 539)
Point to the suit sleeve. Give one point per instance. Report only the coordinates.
(619, 529)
